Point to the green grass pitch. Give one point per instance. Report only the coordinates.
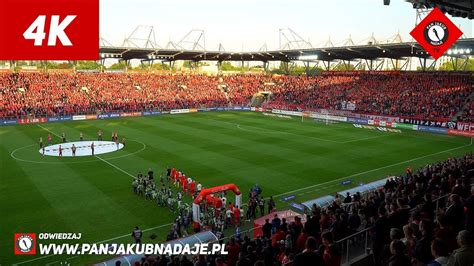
(94, 197)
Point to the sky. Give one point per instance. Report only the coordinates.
(246, 25)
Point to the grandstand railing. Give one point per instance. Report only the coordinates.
(355, 245)
(360, 243)
(442, 200)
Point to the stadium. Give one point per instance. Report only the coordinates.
(349, 153)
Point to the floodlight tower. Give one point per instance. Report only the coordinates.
(292, 40)
(194, 40)
(143, 36)
(421, 13)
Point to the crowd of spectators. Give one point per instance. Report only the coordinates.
(423, 96)
(41, 94)
(405, 223)
(468, 113)
(405, 95)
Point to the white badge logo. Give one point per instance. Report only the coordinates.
(25, 243)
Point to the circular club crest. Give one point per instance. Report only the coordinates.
(25, 243)
(436, 33)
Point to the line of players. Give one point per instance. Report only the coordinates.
(115, 138)
(165, 196)
(144, 185)
(216, 213)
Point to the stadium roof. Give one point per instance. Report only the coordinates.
(369, 51)
(456, 8)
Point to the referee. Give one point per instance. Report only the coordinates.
(137, 235)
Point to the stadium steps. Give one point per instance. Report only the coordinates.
(225, 92)
(257, 100)
(464, 107)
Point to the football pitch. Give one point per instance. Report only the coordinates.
(93, 195)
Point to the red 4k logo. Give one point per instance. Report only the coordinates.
(49, 29)
(436, 33)
(56, 30)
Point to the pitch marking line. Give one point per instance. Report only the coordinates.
(361, 139)
(272, 131)
(144, 147)
(50, 131)
(116, 167)
(105, 161)
(374, 170)
(12, 154)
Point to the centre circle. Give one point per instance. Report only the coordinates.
(83, 148)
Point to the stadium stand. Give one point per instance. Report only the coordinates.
(413, 95)
(419, 218)
(405, 95)
(468, 112)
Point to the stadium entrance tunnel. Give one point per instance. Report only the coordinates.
(83, 148)
(208, 192)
